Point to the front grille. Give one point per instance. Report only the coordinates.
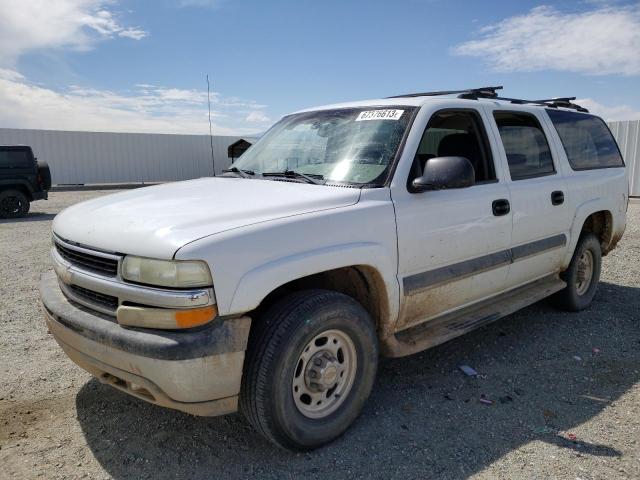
(106, 301)
(86, 261)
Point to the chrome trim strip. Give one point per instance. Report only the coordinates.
(425, 280)
(96, 253)
(126, 292)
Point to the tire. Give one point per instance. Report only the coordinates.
(283, 357)
(581, 287)
(13, 204)
(45, 174)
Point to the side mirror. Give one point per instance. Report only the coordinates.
(445, 172)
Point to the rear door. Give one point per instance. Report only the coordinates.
(538, 193)
(453, 245)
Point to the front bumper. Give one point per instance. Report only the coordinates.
(197, 371)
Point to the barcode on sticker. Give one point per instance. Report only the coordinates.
(390, 114)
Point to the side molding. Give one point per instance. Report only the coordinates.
(431, 278)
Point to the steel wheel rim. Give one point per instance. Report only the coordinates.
(324, 374)
(585, 272)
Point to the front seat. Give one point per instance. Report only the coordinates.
(460, 145)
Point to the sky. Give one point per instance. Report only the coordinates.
(141, 66)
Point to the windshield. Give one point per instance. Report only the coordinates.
(355, 145)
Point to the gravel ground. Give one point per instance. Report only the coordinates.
(565, 387)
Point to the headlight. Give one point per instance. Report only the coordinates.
(166, 273)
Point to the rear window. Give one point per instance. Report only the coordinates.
(586, 140)
(15, 158)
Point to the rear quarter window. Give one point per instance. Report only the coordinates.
(586, 139)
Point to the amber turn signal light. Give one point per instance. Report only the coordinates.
(165, 318)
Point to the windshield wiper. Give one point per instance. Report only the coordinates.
(312, 178)
(241, 172)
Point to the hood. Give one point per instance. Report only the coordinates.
(157, 221)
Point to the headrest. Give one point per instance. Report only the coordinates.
(456, 144)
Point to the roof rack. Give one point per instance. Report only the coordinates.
(490, 92)
(566, 103)
(562, 102)
(471, 93)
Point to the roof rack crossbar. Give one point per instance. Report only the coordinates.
(490, 93)
(563, 102)
(551, 100)
(484, 92)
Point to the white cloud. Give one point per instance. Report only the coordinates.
(609, 113)
(147, 108)
(257, 116)
(602, 41)
(133, 33)
(45, 25)
(55, 24)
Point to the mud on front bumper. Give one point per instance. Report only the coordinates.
(198, 372)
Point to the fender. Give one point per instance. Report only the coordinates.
(17, 182)
(258, 282)
(581, 214)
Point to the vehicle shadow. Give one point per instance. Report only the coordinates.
(30, 217)
(544, 371)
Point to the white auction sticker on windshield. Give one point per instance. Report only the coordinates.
(389, 114)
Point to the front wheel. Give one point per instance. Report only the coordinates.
(311, 364)
(582, 276)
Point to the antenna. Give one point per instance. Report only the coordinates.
(213, 162)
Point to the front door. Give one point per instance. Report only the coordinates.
(453, 245)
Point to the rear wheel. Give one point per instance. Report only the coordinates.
(582, 276)
(13, 204)
(311, 363)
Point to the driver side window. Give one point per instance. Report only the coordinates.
(456, 133)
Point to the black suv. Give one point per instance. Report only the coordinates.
(22, 180)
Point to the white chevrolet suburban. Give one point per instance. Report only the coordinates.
(347, 231)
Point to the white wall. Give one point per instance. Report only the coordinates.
(627, 135)
(97, 157)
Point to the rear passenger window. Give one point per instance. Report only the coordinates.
(525, 144)
(586, 139)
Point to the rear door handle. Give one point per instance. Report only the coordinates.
(557, 197)
(501, 207)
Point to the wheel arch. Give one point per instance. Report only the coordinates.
(366, 271)
(363, 283)
(600, 223)
(597, 216)
(21, 186)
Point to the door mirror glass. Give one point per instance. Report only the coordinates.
(445, 172)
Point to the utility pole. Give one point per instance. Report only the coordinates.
(213, 162)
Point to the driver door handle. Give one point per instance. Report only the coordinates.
(501, 207)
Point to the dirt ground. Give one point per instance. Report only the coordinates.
(565, 390)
